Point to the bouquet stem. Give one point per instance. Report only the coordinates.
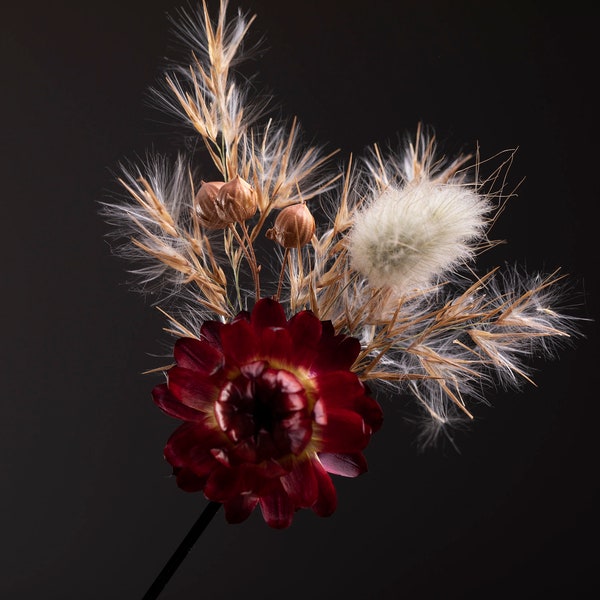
(210, 510)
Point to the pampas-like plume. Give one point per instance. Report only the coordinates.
(408, 236)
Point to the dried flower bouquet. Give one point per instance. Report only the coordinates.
(299, 287)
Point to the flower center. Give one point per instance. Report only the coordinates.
(265, 412)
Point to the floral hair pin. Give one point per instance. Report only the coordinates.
(299, 290)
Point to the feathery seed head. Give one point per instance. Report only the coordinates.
(409, 236)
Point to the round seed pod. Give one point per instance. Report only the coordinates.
(236, 201)
(293, 227)
(205, 204)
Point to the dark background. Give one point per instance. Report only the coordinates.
(88, 510)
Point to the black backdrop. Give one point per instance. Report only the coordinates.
(88, 510)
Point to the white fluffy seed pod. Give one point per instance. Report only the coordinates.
(409, 236)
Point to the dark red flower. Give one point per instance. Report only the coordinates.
(270, 408)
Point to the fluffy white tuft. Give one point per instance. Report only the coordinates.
(409, 236)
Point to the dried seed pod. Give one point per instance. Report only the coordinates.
(294, 226)
(205, 204)
(236, 201)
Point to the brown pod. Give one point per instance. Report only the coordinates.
(205, 204)
(236, 201)
(294, 226)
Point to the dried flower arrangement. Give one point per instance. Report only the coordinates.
(297, 292)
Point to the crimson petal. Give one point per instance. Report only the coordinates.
(267, 313)
(239, 508)
(326, 502)
(276, 342)
(243, 315)
(188, 481)
(223, 484)
(211, 332)
(190, 446)
(343, 389)
(340, 389)
(301, 484)
(327, 329)
(239, 342)
(173, 407)
(371, 412)
(345, 432)
(305, 330)
(191, 389)
(346, 465)
(197, 355)
(277, 508)
(336, 352)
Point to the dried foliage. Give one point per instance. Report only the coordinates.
(429, 326)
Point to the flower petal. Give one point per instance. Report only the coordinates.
(305, 330)
(267, 313)
(240, 507)
(211, 332)
(326, 502)
(340, 389)
(223, 484)
(188, 481)
(327, 329)
(173, 407)
(301, 484)
(197, 355)
(347, 465)
(371, 412)
(239, 342)
(343, 389)
(277, 508)
(336, 352)
(345, 432)
(190, 447)
(276, 343)
(243, 315)
(192, 389)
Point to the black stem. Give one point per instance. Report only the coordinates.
(210, 510)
